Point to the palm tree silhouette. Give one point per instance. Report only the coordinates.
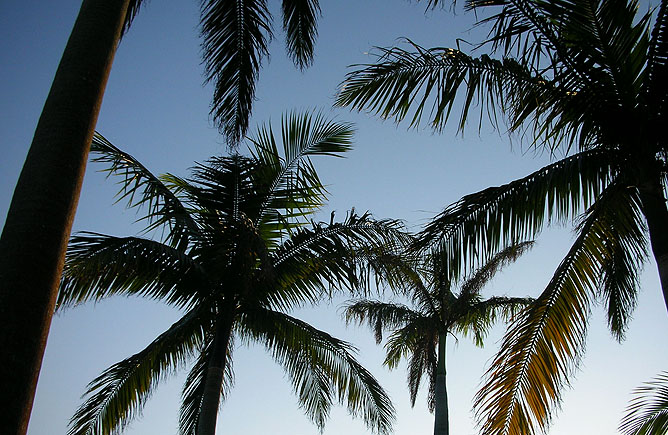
(237, 255)
(584, 77)
(420, 333)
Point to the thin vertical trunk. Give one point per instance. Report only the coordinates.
(213, 384)
(39, 220)
(656, 215)
(441, 423)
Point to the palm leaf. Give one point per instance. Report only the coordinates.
(119, 393)
(647, 414)
(474, 228)
(380, 316)
(299, 22)
(236, 36)
(141, 188)
(320, 368)
(542, 348)
(98, 266)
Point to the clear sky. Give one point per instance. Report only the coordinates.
(156, 108)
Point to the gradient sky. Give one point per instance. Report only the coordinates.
(156, 108)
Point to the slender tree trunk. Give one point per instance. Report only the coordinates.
(39, 220)
(656, 215)
(441, 423)
(213, 384)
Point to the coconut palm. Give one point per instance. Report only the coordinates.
(585, 77)
(647, 414)
(419, 333)
(236, 257)
(235, 36)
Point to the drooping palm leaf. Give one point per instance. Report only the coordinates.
(321, 368)
(119, 393)
(299, 22)
(647, 414)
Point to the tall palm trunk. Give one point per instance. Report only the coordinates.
(39, 221)
(213, 384)
(656, 215)
(441, 424)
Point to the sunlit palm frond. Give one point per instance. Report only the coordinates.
(98, 266)
(119, 393)
(380, 316)
(321, 368)
(236, 36)
(299, 22)
(647, 414)
(475, 227)
(314, 261)
(141, 188)
(543, 346)
(193, 389)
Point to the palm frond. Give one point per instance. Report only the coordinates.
(647, 414)
(119, 393)
(287, 181)
(340, 255)
(482, 315)
(656, 89)
(299, 22)
(380, 316)
(133, 9)
(236, 36)
(141, 188)
(475, 227)
(193, 389)
(320, 367)
(98, 266)
(475, 283)
(429, 81)
(543, 346)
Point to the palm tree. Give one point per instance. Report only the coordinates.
(236, 257)
(586, 77)
(647, 414)
(235, 35)
(421, 332)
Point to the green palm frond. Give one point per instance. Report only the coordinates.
(236, 36)
(656, 88)
(141, 188)
(299, 22)
(314, 261)
(98, 266)
(119, 393)
(288, 182)
(647, 414)
(474, 228)
(380, 316)
(320, 367)
(422, 360)
(193, 389)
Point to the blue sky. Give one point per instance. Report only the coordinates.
(156, 108)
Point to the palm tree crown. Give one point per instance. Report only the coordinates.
(236, 257)
(588, 77)
(420, 333)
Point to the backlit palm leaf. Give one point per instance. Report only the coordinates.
(119, 393)
(647, 414)
(321, 368)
